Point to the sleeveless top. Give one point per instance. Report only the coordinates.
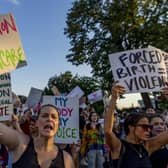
(134, 156)
(29, 159)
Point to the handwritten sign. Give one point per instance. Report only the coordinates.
(141, 70)
(6, 106)
(11, 51)
(165, 55)
(68, 108)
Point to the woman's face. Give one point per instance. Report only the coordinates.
(32, 127)
(48, 121)
(158, 126)
(94, 117)
(142, 129)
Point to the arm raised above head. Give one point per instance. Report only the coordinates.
(110, 137)
(109, 114)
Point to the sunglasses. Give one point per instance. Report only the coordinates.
(146, 127)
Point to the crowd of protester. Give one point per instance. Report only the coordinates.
(136, 139)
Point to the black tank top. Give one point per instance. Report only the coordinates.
(29, 159)
(135, 156)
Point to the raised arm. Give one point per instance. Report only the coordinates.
(110, 137)
(157, 142)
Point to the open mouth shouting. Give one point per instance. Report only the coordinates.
(49, 127)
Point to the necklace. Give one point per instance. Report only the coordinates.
(139, 153)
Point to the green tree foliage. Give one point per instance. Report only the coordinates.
(22, 98)
(97, 28)
(65, 82)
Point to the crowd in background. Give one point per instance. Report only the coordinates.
(92, 151)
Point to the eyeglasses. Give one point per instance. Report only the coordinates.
(146, 127)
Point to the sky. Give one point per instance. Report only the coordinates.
(41, 26)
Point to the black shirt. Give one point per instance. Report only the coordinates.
(159, 159)
(29, 159)
(134, 156)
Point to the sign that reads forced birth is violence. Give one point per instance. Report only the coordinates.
(11, 51)
(6, 106)
(68, 108)
(141, 70)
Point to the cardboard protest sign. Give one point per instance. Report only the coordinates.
(165, 55)
(141, 70)
(68, 108)
(11, 51)
(77, 91)
(95, 96)
(6, 106)
(34, 97)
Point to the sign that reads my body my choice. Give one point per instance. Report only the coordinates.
(11, 51)
(141, 70)
(68, 108)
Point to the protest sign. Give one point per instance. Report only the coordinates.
(165, 55)
(77, 91)
(6, 106)
(34, 97)
(140, 70)
(68, 108)
(11, 51)
(95, 96)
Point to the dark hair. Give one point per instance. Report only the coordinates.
(132, 119)
(33, 118)
(90, 116)
(155, 116)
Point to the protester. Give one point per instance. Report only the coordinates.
(33, 130)
(73, 150)
(24, 121)
(150, 111)
(82, 120)
(134, 151)
(39, 151)
(160, 157)
(93, 142)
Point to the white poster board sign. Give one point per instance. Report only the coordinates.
(141, 70)
(34, 97)
(68, 108)
(6, 105)
(77, 91)
(11, 51)
(95, 96)
(165, 55)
